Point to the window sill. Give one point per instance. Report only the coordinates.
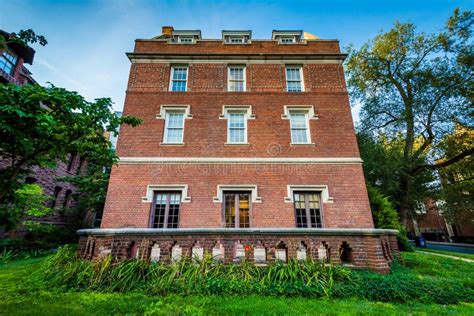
(302, 144)
(237, 144)
(171, 144)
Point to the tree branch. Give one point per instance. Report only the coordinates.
(444, 163)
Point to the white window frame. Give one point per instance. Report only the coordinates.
(165, 133)
(309, 114)
(231, 37)
(185, 109)
(308, 133)
(292, 38)
(244, 75)
(229, 142)
(181, 37)
(300, 68)
(247, 110)
(172, 75)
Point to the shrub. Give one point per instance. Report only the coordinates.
(305, 279)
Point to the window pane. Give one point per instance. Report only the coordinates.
(299, 136)
(298, 120)
(244, 209)
(179, 73)
(236, 135)
(174, 135)
(171, 200)
(294, 86)
(175, 120)
(237, 120)
(179, 86)
(229, 209)
(293, 74)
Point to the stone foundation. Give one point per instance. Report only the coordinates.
(373, 249)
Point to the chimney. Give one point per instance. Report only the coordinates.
(167, 31)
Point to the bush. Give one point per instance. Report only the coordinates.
(386, 216)
(309, 278)
(306, 279)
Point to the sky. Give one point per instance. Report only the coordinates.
(87, 40)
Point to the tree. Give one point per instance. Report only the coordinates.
(41, 125)
(416, 86)
(457, 180)
(24, 37)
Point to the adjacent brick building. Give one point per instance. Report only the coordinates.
(247, 148)
(12, 70)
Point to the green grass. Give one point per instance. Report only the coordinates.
(449, 253)
(23, 293)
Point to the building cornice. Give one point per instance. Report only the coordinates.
(240, 231)
(230, 57)
(239, 160)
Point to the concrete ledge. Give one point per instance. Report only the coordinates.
(241, 231)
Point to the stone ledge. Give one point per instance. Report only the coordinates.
(241, 231)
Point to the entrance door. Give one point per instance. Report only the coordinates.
(237, 209)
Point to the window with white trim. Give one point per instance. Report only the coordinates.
(287, 40)
(236, 78)
(299, 126)
(236, 40)
(165, 210)
(174, 127)
(185, 39)
(237, 127)
(8, 61)
(307, 210)
(294, 79)
(179, 78)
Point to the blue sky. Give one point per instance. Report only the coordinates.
(88, 39)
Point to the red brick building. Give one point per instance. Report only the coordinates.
(247, 149)
(13, 70)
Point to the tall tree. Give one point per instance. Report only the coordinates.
(419, 86)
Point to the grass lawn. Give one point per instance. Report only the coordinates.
(449, 253)
(22, 293)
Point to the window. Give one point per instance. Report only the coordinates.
(185, 39)
(299, 127)
(165, 210)
(236, 127)
(236, 78)
(67, 197)
(179, 78)
(235, 40)
(307, 210)
(57, 191)
(287, 40)
(81, 164)
(8, 61)
(236, 209)
(294, 82)
(72, 157)
(174, 127)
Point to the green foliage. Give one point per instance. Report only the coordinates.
(192, 277)
(28, 201)
(22, 291)
(386, 216)
(24, 37)
(383, 212)
(41, 125)
(450, 282)
(414, 87)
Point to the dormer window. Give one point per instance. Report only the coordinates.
(185, 36)
(236, 37)
(287, 40)
(287, 37)
(185, 39)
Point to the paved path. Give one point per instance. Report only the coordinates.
(446, 256)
